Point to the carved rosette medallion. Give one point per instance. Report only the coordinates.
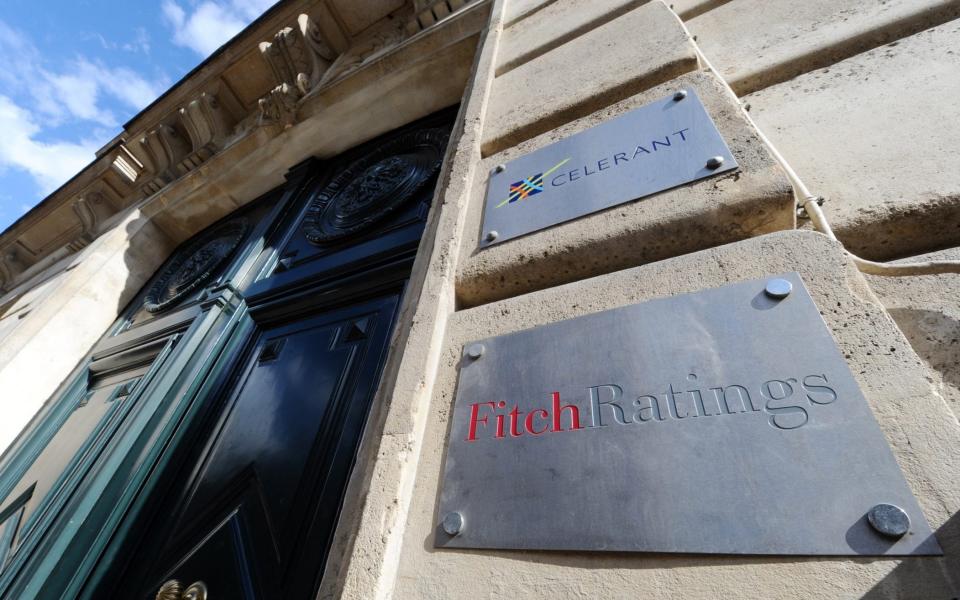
(195, 265)
(375, 186)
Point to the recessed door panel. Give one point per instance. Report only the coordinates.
(278, 457)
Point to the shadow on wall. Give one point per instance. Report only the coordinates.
(147, 247)
(935, 336)
(926, 578)
(151, 241)
(918, 578)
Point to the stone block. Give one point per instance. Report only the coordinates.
(787, 38)
(872, 134)
(928, 313)
(921, 430)
(688, 9)
(517, 10)
(755, 199)
(554, 25)
(627, 55)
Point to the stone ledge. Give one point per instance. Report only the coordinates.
(554, 26)
(923, 434)
(756, 199)
(788, 38)
(689, 9)
(877, 156)
(627, 55)
(517, 10)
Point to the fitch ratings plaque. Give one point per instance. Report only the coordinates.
(723, 421)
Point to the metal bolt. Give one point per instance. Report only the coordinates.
(492, 235)
(889, 520)
(679, 95)
(714, 162)
(453, 523)
(778, 288)
(499, 168)
(475, 351)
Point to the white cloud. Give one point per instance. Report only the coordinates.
(80, 90)
(54, 117)
(212, 22)
(50, 164)
(77, 90)
(78, 95)
(139, 44)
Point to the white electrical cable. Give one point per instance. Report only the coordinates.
(810, 202)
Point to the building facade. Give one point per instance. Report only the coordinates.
(239, 352)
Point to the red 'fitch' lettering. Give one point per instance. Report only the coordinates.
(518, 424)
(558, 410)
(474, 412)
(529, 423)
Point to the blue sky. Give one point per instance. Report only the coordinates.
(72, 72)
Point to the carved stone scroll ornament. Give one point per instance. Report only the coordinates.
(280, 105)
(375, 186)
(193, 266)
(171, 590)
(298, 55)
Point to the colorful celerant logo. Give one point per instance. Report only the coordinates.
(529, 186)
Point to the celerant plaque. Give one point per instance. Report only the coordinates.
(724, 421)
(656, 147)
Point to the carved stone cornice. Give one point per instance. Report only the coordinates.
(387, 34)
(161, 150)
(207, 124)
(280, 105)
(299, 55)
(310, 44)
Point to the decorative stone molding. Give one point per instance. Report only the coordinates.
(388, 34)
(286, 55)
(280, 105)
(322, 54)
(298, 55)
(11, 266)
(162, 150)
(208, 125)
(429, 12)
(83, 207)
(6, 274)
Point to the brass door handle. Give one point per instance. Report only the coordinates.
(171, 591)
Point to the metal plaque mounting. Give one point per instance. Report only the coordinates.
(724, 421)
(649, 149)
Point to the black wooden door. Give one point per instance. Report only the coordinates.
(250, 494)
(252, 517)
(210, 433)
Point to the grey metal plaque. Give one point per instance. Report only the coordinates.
(650, 149)
(724, 421)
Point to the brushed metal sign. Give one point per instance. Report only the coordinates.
(656, 147)
(724, 421)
